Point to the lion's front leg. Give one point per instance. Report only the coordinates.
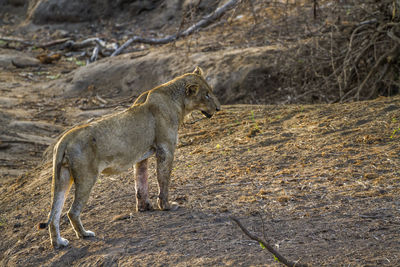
(165, 157)
(142, 187)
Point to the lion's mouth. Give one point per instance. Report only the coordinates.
(208, 115)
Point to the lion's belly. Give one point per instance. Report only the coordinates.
(111, 171)
(119, 163)
(113, 167)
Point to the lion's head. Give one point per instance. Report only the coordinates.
(199, 95)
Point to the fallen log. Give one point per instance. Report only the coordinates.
(207, 20)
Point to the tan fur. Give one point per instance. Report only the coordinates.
(115, 143)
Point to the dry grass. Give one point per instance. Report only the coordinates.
(324, 178)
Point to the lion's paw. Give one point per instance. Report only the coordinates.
(88, 234)
(146, 207)
(61, 242)
(172, 206)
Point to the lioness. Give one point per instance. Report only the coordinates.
(114, 143)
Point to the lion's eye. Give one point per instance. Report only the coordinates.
(207, 96)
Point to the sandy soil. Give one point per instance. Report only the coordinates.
(320, 182)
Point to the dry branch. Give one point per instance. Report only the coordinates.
(281, 258)
(72, 45)
(101, 46)
(54, 42)
(29, 43)
(16, 40)
(207, 20)
(393, 36)
(392, 53)
(95, 53)
(349, 59)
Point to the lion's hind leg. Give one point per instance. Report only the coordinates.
(60, 192)
(142, 187)
(83, 186)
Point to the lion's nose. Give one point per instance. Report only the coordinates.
(217, 109)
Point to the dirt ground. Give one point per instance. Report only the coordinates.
(321, 183)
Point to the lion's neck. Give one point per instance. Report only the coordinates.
(169, 101)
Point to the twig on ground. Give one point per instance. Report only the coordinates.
(29, 43)
(72, 45)
(54, 42)
(281, 258)
(16, 40)
(95, 53)
(393, 36)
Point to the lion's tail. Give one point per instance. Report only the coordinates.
(58, 156)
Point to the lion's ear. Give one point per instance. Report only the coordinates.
(192, 89)
(198, 71)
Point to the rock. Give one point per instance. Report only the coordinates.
(137, 7)
(17, 2)
(12, 59)
(67, 11)
(61, 11)
(235, 75)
